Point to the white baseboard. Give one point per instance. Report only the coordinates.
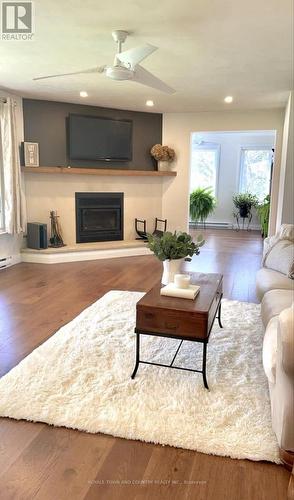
(253, 227)
(58, 258)
(16, 259)
(222, 225)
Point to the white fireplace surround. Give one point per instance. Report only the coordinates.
(142, 199)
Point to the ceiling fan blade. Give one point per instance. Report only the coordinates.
(132, 57)
(141, 75)
(98, 69)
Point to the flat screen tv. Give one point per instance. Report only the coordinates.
(95, 138)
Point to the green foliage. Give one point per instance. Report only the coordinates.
(202, 203)
(245, 201)
(263, 211)
(174, 245)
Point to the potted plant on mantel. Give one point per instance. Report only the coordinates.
(163, 155)
(244, 202)
(172, 249)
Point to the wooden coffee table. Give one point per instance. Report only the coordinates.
(180, 319)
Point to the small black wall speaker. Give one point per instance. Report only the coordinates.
(37, 235)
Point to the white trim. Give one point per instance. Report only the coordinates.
(16, 259)
(252, 227)
(211, 224)
(58, 258)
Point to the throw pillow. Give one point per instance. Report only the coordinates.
(281, 258)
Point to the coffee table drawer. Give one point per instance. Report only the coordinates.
(171, 323)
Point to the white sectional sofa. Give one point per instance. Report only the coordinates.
(276, 292)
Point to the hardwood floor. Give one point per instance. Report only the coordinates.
(41, 462)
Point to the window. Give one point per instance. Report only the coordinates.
(256, 170)
(204, 167)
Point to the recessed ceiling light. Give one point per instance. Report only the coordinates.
(149, 103)
(83, 93)
(228, 99)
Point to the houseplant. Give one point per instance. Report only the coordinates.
(263, 211)
(172, 249)
(202, 203)
(244, 203)
(163, 155)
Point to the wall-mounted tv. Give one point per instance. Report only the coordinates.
(95, 138)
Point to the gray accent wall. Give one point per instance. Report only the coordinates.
(45, 122)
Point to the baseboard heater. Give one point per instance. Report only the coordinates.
(5, 262)
(212, 225)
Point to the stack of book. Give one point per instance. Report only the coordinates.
(171, 290)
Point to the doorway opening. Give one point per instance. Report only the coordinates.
(226, 164)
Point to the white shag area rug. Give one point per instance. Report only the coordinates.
(80, 378)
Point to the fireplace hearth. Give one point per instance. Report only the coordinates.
(99, 217)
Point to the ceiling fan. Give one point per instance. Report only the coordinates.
(125, 66)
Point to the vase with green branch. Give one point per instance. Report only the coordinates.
(172, 249)
(202, 204)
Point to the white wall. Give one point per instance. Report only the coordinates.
(45, 192)
(285, 211)
(10, 245)
(230, 144)
(177, 129)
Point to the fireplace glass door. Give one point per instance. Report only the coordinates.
(99, 217)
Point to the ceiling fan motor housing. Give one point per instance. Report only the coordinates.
(119, 73)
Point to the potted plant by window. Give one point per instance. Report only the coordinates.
(172, 249)
(202, 203)
(263, 211)
(244, 202)
(163, 155)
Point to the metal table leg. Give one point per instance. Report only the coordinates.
(137, 355)
(204, 365)
(219, 314)
(204, 342)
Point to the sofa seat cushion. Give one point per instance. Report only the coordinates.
(269, 351)
(274, 302)
(267, 279)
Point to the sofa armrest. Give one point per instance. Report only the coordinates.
(285, 340)
(282, 391)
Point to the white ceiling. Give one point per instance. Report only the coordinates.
(208, 49)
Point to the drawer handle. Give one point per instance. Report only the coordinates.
(171, 327)
(149, 315)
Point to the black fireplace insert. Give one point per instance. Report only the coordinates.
(99, 217)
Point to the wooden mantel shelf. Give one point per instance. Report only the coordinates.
(96, 171)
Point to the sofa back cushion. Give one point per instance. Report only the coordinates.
(281, 258)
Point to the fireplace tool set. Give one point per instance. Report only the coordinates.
(56, 240)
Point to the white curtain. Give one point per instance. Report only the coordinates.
(14, 202)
